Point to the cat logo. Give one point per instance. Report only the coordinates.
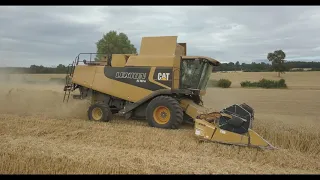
(163, 76)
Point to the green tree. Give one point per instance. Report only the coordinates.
(114, 43)
(61, 69)
(277, 59)
(237, 66)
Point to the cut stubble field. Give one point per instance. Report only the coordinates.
(40, 134)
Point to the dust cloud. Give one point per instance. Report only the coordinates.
(20, 97)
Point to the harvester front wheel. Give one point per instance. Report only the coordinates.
(164, 112)
(99, 112)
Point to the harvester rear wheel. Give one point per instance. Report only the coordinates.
(164, 112)
(99, 112)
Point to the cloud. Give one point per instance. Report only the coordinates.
(51, 35)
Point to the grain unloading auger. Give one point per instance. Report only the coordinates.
(162, 85)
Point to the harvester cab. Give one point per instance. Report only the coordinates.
(162, 85)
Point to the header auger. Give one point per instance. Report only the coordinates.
(162, 85)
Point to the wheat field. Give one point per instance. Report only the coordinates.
(296, 80)
(41, 135)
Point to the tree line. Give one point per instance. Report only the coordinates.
(231, 66)
(266, 67)
(35, 69)
(119, 43)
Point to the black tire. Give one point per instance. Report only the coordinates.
(176, 112)
(105, 109)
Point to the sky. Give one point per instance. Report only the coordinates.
(53, 35)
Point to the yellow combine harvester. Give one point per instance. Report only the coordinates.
(162, 85)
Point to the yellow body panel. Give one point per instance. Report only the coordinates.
(211, 132)
(182, 49)
(158, 46)
(191, 108)
(158, 61)
(117, 88)
(150, 78)
(229, 137)
(119, 60)
(206, 129)
(84, 75)
(257, 140)
(93, 77)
